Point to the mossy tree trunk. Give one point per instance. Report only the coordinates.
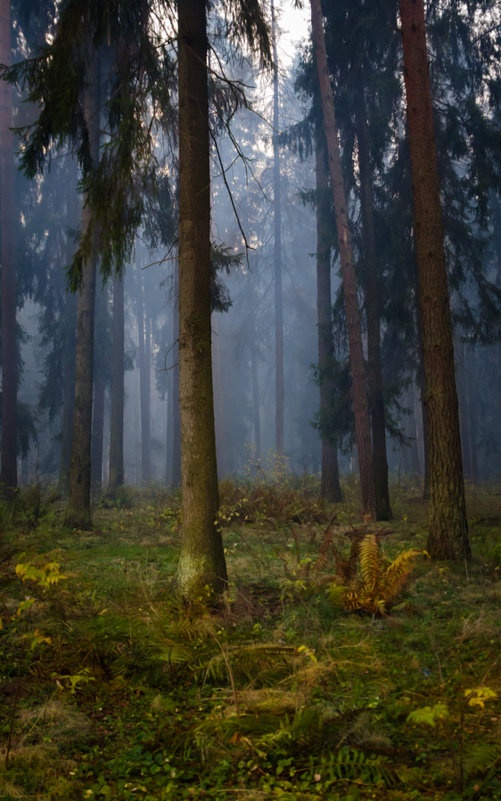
(357, 366)
(448, 534)
(202, 568)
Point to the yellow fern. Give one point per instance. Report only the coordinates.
(371, 560)
(397, 572)
(379, 582)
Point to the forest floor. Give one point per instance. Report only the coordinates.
(297, 688)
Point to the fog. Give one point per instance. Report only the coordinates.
(243, 347)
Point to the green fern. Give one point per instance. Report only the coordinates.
(481, 758)
(350, 764)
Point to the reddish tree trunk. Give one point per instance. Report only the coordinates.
(202, 565)
(329, 482)
(448, 535)
(358, 382)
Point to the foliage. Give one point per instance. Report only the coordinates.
(277, 694)
(376, 583)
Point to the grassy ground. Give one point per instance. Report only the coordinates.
(112, 689)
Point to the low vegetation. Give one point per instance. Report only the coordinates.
(342, 663)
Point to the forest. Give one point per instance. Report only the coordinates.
(250, 351)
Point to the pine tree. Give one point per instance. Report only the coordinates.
(359, 389)
(448, 535)
(8, 472)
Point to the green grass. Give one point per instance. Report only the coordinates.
(110, 688)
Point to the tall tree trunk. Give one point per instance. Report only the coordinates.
(256, 416)
(277, 256)
(358, 383)
(329, 483)
(201, 563)
(101, 361)
(8, 471)
(174, 425)
(78, 513)
(448, 534)
(68, 378)
(223, 464)
(98, 430)
(464, 417)
(371, 289)
(117, 388)
(144, 381)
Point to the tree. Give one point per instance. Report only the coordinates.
(8, 472)
(201, 563)
(78, 512)
(143, 330)
(277, 255)
(329, 486)
(359, 389)
(376, 398)
(116, 478)
(448, 535)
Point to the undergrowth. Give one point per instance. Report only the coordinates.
(110, 688)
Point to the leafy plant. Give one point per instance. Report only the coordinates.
(379, 581)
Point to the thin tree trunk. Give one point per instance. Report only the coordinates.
(464, 418)
(174, 425)
(371, 289)
(78, 513)
(8, 471)
(358, 383)
(277, 256)
(144, 382)
(202, 566)
(219, 410)
(117, 388)
(329, 483)
(448, 534)
(68, 378)
(256, 416)
(98, 431)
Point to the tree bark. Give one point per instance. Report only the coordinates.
(68, 378)
(448, 534)
(117, 388)
(256, 412)
(144, 381)
(358, 382)
(78, 513)
(277, 257)
(202, 568)
(330, 488)
(174, 433)
(98, 431)
(371, 291)
(8, 471)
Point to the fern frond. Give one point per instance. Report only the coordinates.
(481, 758)
(371, 560)
(258, 663)
(398, 571)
